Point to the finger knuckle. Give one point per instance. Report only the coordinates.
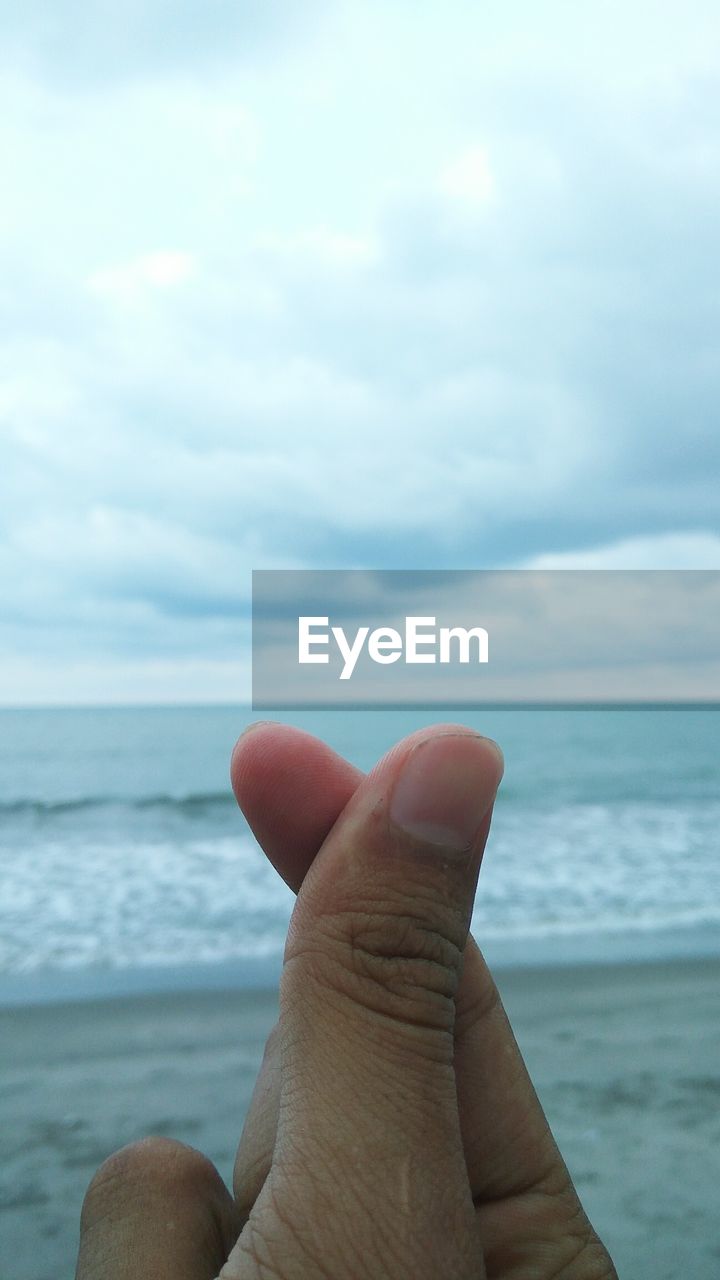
(397, 960)
(149, 1166)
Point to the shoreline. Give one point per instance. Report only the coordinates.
(609, 949)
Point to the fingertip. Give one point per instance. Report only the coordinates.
(291, 787)
(444, 789)
(257, 730)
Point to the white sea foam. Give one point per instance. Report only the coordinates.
(578, 869)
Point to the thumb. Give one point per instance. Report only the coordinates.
(372, 965)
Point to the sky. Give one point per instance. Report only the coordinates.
(341, 285)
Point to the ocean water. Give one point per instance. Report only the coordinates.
(122, 849)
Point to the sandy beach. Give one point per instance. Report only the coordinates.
(626, 1060)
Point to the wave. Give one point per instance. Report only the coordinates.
(194, 802)
(514, 800)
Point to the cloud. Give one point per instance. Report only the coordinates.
(469, 180)
(76, 42)
(338, 309)
(132, 280)
(665, 551)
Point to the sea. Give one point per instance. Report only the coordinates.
(125, 864)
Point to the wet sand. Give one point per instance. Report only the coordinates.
(626, 1059)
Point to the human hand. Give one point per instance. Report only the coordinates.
(394, 1131)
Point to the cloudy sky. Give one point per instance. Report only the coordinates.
(293, 283)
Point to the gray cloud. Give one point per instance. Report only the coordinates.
(471, 344)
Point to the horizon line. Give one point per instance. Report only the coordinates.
(544, 704)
